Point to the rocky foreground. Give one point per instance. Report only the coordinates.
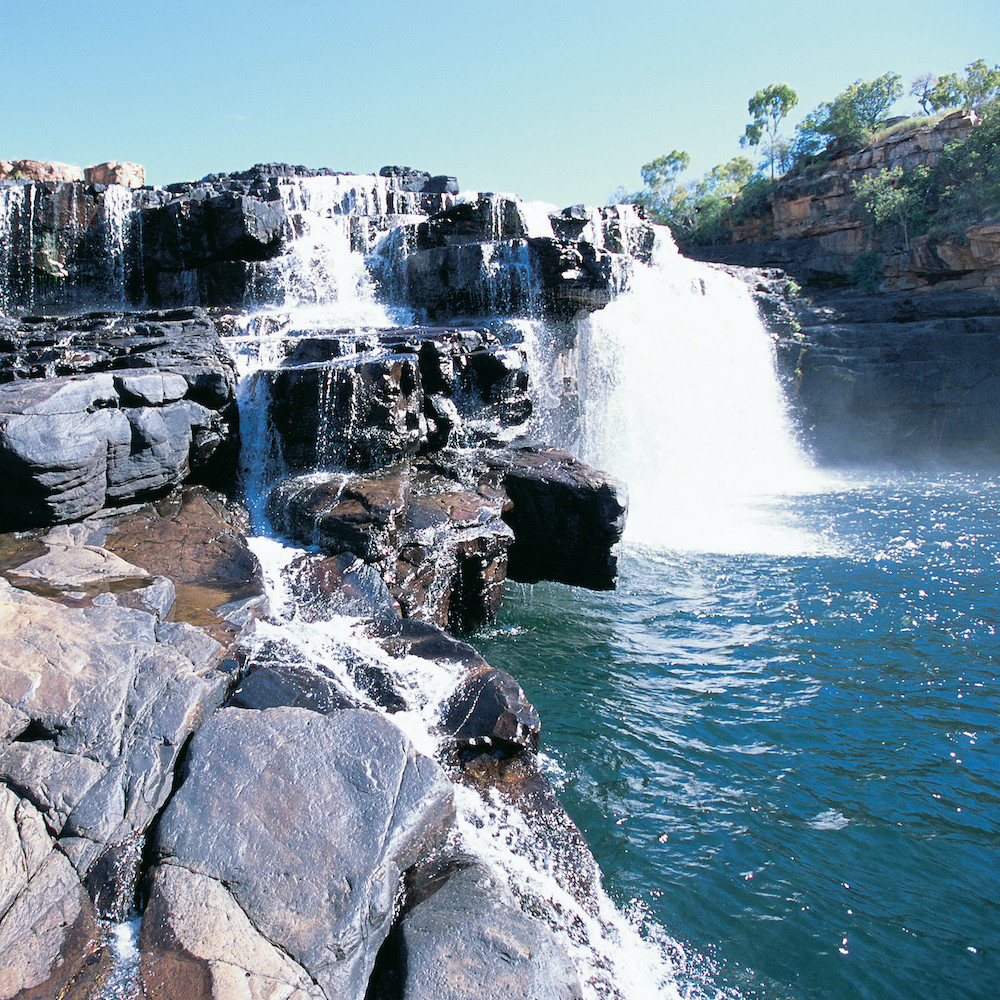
(166, 748)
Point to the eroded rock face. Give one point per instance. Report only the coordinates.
(567, 517)
(358, 400)
(330, 811)
(897, 379)
(104, 410)
(102, 697)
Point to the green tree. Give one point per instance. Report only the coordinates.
(855, 114)
(948, 92)
(981, 83)
(893, 197)
(921, 88)
(767, 108)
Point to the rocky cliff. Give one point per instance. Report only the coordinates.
(811, 228)
(180, 741)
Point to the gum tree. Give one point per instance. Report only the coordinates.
(767, 108)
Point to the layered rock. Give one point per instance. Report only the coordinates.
(897, 378)
(446, 534)
(103, 410)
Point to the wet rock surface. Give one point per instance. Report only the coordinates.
(408, 391)
(469, 940)
(331, 810)
(105, 409)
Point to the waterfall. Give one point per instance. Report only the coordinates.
(118, 209)
(679, 398)
(323, 282)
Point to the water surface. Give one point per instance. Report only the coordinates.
(790, 762)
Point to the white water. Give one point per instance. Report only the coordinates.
(614, 956)
(679, 399)
(118, 210)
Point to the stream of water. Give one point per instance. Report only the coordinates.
(780, 734)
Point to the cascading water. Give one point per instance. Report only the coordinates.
(614, 958)
(679, 398)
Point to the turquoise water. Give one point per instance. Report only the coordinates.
(791, 763)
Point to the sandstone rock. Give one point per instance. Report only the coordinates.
(108, 696)
(442, 550)
(127, 174)
(330, 811)
(197, 539)
(39, 170)
(198, 943)
(470, 941)
(78, 566)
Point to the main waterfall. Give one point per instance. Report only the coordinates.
(679, 397)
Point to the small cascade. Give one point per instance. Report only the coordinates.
(17, 216)
(118, 219)
(680, 399)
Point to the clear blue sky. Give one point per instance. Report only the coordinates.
(560, 100)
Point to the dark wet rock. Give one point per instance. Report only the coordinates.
(470, 280)
(469, 940)
(897, 379)
(441, 549)
(567, 517)
(343, 514)
(408, 390)
(227, 227)
(331, 811)
(489, 713)
(48, 925)
(401, 637)
(107, 410)
(338, 585)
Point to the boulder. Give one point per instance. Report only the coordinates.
(48, 927)
(101, 700)
(469, 940)
(131, 175)
(197, 943)
(104, 410)
(567, 517)
(441, 549)
(331, 810)
(489, 713)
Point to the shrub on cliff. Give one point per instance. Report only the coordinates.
(968, 174)
(853, 115)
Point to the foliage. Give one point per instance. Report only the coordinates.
(968, 174)
(892, 197)
(866, 271)
(981, 85)
(855, 114)
(767, 108)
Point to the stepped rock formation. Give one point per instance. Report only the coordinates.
(143, 676)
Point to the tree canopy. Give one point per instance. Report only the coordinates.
(855, 114)
(767, 108)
